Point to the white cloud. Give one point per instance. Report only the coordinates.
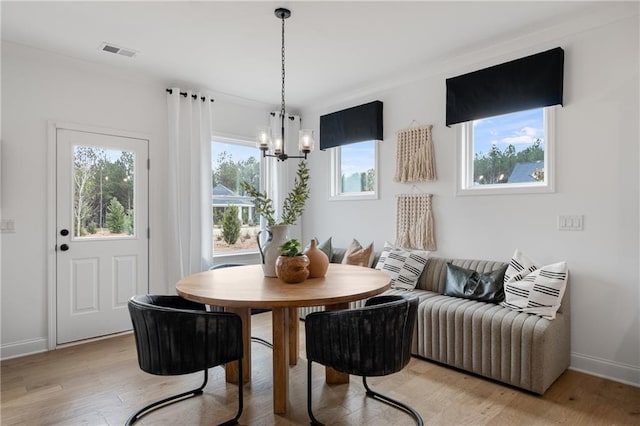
(526, 135)
(514, 140)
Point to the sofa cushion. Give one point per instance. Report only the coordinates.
(532, 289)
(404, 266)
(523, 350)
(471, 284)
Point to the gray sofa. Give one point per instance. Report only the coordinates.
(523, 350)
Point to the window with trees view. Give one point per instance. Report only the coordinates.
(507, 153)
(235, 223)
(354, 171)
(103, 183)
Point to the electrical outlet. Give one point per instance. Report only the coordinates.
(571, 223)
(7, 226)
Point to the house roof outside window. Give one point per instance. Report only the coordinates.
(224, 197)
(525, 172)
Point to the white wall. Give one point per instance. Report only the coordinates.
(597, 176)
(38, 87)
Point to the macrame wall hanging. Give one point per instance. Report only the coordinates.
(414, 222)
(414, 160)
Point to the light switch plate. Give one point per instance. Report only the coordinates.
(571, 223)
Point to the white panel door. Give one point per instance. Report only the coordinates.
(102, 231)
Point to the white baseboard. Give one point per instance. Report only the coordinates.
(25, 347)
(619, 372)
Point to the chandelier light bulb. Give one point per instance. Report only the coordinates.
(263, 139)
(277, 149)
(306, 141)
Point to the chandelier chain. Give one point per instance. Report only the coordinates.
(282, 105)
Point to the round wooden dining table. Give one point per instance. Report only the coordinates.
(241, 288)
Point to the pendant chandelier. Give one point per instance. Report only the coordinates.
(275, 146)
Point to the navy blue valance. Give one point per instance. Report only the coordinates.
(357, 124)
(531, 82)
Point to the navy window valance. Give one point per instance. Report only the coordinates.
(357, 124)
(531, 82)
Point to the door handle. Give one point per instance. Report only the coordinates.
(64, 247)
(64, 232)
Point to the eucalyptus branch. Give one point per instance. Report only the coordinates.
(293, 205)
(263, 204)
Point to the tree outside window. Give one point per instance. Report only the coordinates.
(102, 178)
(235, 224)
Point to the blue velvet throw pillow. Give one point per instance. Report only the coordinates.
(470, 284)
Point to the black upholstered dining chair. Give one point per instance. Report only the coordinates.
(175, 336)
(371, 341)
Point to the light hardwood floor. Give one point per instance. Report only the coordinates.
(99, 383)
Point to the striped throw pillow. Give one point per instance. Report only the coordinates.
(404, 266)
(532, 289)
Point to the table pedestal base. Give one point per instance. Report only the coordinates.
(281, 348)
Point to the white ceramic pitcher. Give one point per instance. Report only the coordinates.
(269, 251)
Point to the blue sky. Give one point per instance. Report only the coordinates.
(238, 152)
(357, 157)
(520, 129)
(110, 155)
(113, 155)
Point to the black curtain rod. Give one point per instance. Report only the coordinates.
(170, 91)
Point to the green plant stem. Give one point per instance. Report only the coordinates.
(293, 205)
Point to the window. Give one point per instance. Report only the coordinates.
(355, 171)
(510, 153)
(235, 224)
(103, 193)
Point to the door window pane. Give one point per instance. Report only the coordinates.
(103, 193)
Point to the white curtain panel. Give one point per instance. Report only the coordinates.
(277, 183)
(190, 220)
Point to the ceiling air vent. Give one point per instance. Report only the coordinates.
(112, 48)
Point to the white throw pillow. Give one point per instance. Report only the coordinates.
(404, 266)
(534, 290)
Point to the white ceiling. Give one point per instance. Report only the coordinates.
(234, 47)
